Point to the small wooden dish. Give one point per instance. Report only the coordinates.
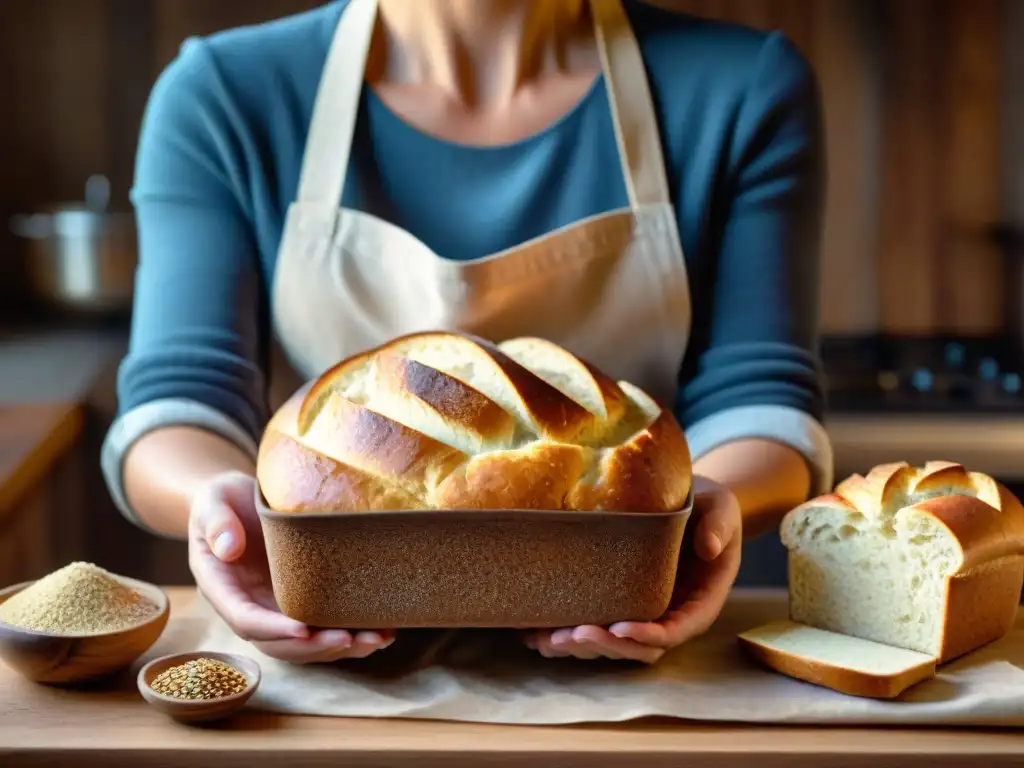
(46, 657)
(198, 711)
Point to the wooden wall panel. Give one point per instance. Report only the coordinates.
(847, 67)
(52, 115)
(835, 35)
(941, 167)
(1012, 116)
(911, 195)
(55, 76)
(971, 300)
(913, 122)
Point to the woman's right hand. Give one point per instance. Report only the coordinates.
(228, 559)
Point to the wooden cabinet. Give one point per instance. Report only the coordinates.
(940, 162)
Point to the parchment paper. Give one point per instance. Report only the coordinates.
(488, 676)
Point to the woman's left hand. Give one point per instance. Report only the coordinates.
(706, 574)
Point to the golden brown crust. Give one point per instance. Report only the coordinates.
(307, 481)
(981, 606)
(329, 382)
(539, 477)
(867, 492)
(649, 473)
(448, 397)
(605, 392)
(983, 516)
(389, 429)
(984, 533)
(304, 480)
(357, 436)
(554, 415)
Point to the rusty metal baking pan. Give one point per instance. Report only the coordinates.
(472, 568)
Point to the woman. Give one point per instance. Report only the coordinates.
(504, 167)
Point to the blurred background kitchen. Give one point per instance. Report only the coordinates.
(921, 291)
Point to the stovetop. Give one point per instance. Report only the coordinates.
(923, 375)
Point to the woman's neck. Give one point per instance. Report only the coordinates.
(481, 52)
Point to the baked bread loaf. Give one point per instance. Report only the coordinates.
(929, 559)
(445, 420)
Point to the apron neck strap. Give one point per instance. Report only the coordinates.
(636, 124)
(336, 108)
(332, 127)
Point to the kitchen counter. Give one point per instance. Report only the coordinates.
(56, 384)
(110, 725)
(32, 439)
(56, 364)
(984, 442)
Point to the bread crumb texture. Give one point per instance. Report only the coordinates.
(929, 558)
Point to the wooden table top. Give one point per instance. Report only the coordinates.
(110, 725)
(32, 438)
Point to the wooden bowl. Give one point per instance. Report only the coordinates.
(47, 657)
(190, 711)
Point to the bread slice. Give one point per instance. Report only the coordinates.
(845, 664)
(930, 558)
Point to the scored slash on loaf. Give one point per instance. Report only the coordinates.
(925, 559)
(446, 420)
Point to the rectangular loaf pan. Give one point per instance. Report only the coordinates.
(472, 569)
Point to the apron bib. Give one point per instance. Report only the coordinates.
(612, 289)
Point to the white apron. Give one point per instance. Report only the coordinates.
(611, 289)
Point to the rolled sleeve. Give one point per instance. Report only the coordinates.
(782, 424)
(752, 370)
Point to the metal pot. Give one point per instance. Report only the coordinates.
(81, 257)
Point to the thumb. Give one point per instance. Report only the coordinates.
(218, 524)
(720, 521)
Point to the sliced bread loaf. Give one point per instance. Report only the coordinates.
(930, 559)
